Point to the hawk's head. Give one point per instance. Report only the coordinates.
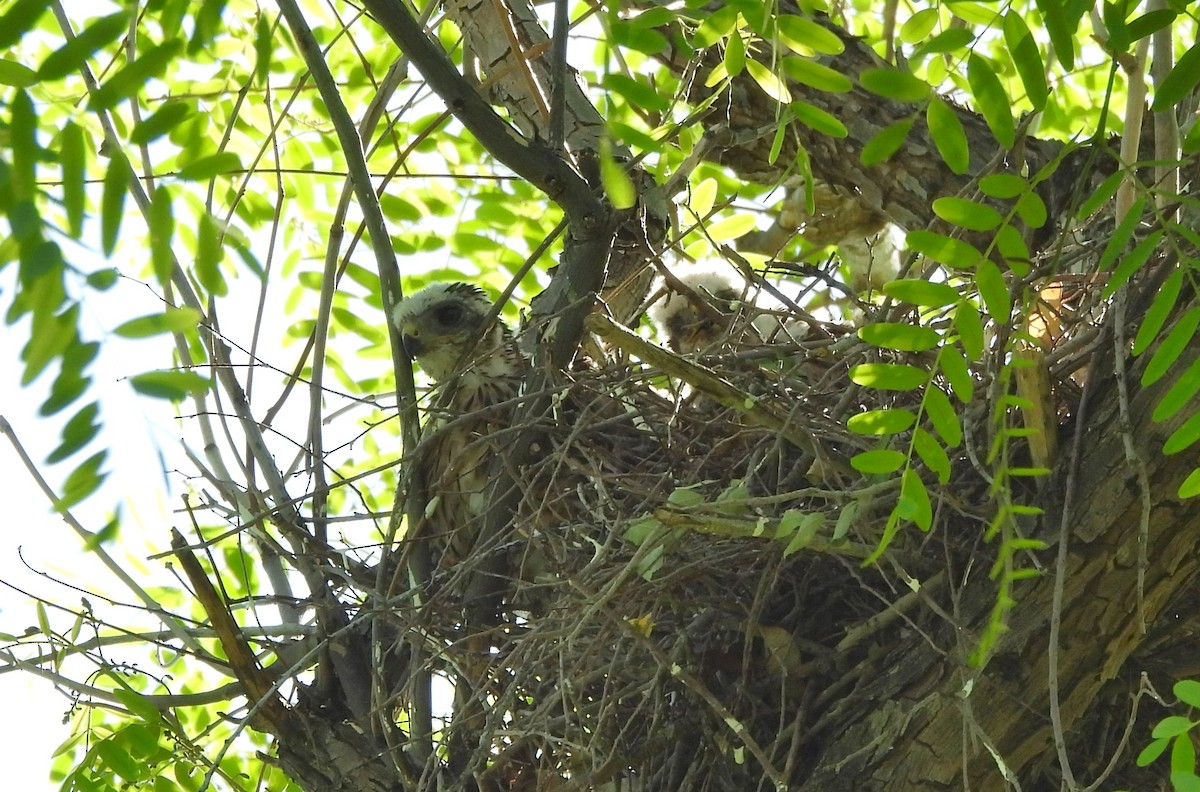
(438, 323)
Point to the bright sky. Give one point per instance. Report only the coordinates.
(32, 726)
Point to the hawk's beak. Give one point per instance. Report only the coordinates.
(412, 345)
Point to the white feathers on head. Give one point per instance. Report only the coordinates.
(437, 323)
(874, 260)
(687, 326)
(732, 310)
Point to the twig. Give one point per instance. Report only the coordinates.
(706, 380)
(1060, 577)
(1131, 455)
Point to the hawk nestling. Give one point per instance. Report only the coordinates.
(716, 308)
(442, 328)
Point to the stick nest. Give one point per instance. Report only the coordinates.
(683, 599)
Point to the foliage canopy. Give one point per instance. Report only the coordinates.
(947, 404)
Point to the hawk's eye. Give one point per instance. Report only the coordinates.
(449, 315)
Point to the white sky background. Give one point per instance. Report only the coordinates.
(135, 431)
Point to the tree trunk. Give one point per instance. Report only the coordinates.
(927, 718)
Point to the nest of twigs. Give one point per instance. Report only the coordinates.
(684, 601)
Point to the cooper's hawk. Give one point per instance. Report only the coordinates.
(713, 308)
(444, 329)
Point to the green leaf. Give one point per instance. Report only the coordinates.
(172, 320)
(914, 503)
(18, 75)
(1152, 751)
(1187, 691)
(82, 481)
(942, 416)
(894, 84)
(816, 118)
(616, 181)
(119, 760)
(922, 292)
(1024, 49)
(1183, 781)
(777, 143)
(1014, 250)
(1003, 185)
(51, 334)
(19, 19)
(638, 37)
(1190, 487)
(769, 82)
(1032, 210)
(112, 201)
(801, 527)
(943, 249)
(954, 367)
(1172, 726)
(1132, 263)
(160, 123)
(919, 25)
(967, 214)
(80, 430)
(948, 135)
(731, 227)
(1179, 82)
(991, 99)
(1101, 195)
(263, 46)
(951, 40)
(715, 27)
(73, 158)
(161, 219)
(72, 56)
(994, 291)
(969, 325)
(703, 196)
(878, 461)
(886, 142)
(889, 376)
(1121, 235)
(638, 92)
(881, 422)
(816, 75)
(138, 704)
(932, 454)
(1183, 437)
(972, 12)
(169, 384)
(23, 131)
(1149, 23)
(209, 255)
(1191, 141)
(206, 20)
(735, 55)
(1180, 394)
(221, 163)
(1114, 22)
(801, 34)
(899, 335)
(129, 80)
(1171, 347)
(67, 387)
